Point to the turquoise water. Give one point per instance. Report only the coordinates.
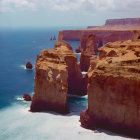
(16, 122)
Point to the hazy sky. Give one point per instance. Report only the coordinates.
(43, 13)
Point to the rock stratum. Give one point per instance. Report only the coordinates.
(114, 89)
(113, 30)
(125, 21)
(57, 73)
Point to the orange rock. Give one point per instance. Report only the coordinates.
(57, 73)
(89, 49)
(85, 61)
(113, 30)
(114, 89)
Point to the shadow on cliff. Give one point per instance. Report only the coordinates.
(75, 104)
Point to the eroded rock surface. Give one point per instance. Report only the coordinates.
(114, 89)
(88, 49)
(57, 73)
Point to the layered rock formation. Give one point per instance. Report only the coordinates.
(88, 48)
(85, 61)
(114, 89)
(126, 21)
(122, 29)
(87, 43)
(57, 73)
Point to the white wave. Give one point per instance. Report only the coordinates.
(20, 98)
(78, 53)
(70, 95)
(24, 67)
(17, 122)
(84, 73)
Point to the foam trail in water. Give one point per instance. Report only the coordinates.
(20, 98)
(17, 123)
(24, 67)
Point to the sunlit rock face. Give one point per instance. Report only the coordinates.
(114, 89)
(57, 73)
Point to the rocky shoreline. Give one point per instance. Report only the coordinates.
(112, 82)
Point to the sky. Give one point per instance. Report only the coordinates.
(59, 13)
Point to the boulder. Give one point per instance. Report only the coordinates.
(29, 65)
(114, 89)
(27, 97)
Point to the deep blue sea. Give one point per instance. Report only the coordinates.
(17, 46)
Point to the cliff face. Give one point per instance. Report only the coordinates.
(130, 21)
(50, 85)
(123, 29)
(87, 43)
(57, 73)
(114, 89)
(88, 48)
(84, 61)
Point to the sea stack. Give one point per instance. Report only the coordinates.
(54, 38)
(114, 89)
(57, 73)
(88, 49)
(29, 65)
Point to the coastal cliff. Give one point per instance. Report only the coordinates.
(57, 73)
(126, 21)
(88, 49)
(121, 29)
(114, 89)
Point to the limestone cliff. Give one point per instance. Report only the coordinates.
(88, 49)
(114, 89)
(57, 73)
(87, 43)
(121, 29)
(126, 21)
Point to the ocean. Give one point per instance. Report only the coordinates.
(17, 46)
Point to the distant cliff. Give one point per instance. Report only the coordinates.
(121, 29)
(126, 21)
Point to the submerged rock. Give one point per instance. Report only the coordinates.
(29, 65)
(57, 73)
(27, 97)
(114, 89)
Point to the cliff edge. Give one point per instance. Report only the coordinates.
(114, 89)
